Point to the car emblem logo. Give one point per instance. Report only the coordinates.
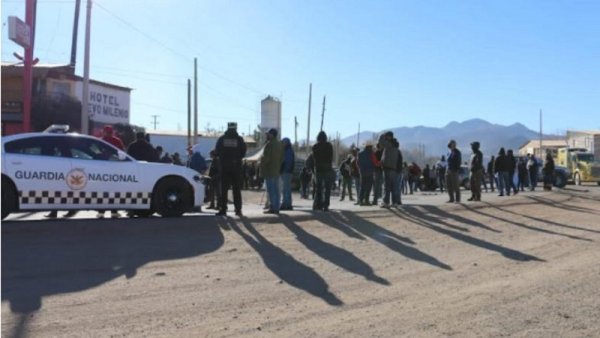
(76, 179)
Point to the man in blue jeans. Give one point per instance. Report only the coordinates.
(389, 161)
(323, 155)
(287, 170)
(270, 162)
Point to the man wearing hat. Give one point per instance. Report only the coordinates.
(231, 149)
(476, 175)
(270, 168)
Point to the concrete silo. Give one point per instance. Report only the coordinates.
(270, 114)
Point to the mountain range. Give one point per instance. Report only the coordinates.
(433, 141)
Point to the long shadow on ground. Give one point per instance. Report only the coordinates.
(521, 225)
(420, 217)
(388, 238)
(334, 254)
(282, 264)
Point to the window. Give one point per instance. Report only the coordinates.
(44, 146)
(88, 149)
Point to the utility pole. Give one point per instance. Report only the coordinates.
(85, 96)
(308, 124)
(295, 133)
(541, 150)
(189, 97)
(337, 149)
(154, 122)
(358, 135)
(323, 113)
(75, 31)
(195, 100)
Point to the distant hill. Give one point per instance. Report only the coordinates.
(434, 140)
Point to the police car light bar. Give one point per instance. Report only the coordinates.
(57, 129)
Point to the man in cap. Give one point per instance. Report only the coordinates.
(452, 180)
(231, 149)
(270, 163)
(476, 174)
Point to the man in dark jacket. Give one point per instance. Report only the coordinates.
(501, 167)
(287, 171)
(142, 150)
(512, 167)
(231, 149)
(389, 160)
(452, 180)
(476, 172)
(323, 155)
(491, 172)
(366, 164)
(398, 180)
(378, 175)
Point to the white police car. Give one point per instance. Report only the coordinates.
(59, 171)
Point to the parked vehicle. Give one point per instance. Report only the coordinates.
(580, 163)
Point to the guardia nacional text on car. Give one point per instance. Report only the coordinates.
(67, 171)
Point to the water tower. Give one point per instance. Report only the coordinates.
(270, 114)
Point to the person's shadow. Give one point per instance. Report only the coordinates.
(334, 254)
(282, 264)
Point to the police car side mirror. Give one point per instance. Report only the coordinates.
(122, 156)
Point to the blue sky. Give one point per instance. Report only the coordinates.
(381, 63)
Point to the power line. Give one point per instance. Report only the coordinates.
(125, 22)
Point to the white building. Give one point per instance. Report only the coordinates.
(585, 139)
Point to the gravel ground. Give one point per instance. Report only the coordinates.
(522, 266)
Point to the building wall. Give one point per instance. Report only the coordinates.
(12, 105)
(590, 141)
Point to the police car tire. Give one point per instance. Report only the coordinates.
(169, 186)
(9, 197)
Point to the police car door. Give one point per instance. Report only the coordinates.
(38, 165)
(100, 180)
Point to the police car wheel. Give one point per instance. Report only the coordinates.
(171, 197)
(9, 198)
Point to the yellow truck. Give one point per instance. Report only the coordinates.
(580, 163)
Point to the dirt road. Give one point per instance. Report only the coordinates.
(523, 266)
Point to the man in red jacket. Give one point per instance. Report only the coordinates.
(107, 136)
